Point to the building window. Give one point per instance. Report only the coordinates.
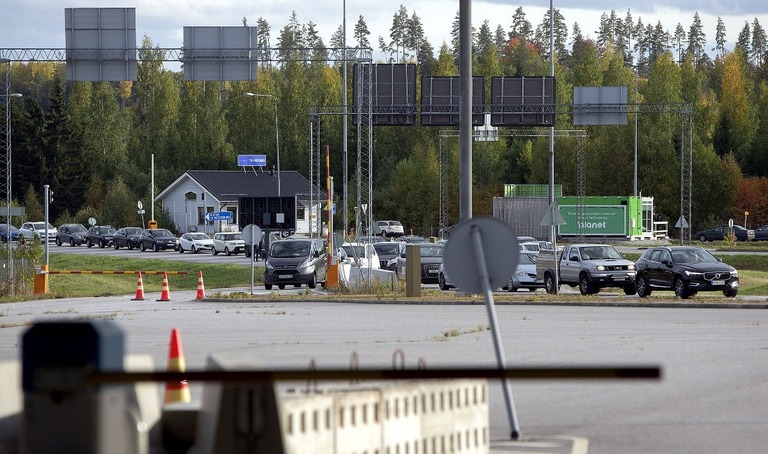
(300, 212)
(201, 214)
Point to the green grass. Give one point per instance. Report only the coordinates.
(68, 286)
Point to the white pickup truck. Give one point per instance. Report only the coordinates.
(591, 267)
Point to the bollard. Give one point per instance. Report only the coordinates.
(41, 280)
(413, 270)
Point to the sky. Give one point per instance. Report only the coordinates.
(40, 23)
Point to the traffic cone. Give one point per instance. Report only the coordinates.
(200, 286)
(165, 294)
(139, 289)
(176, 391)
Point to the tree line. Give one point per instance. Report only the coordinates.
(94, 142)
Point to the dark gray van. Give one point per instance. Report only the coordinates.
(295, 262)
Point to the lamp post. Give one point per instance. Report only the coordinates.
(277, 136)
(8, 184)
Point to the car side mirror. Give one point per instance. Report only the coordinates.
(667, 263)
(316, 254)
(574, 259)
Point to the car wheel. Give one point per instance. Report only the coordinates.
(441, 282)
(247, 252)
(156, 248)
(181, 249)
(549, 284)
(72, 242)
(281, 286)
(630, 289)
(116, 246)
(681, 288)
(643, 287)
(102, 244)
(143, 248)
(730, 293)
(268, 286)
(585, 287)
(89, 243)
(511, 286)
(194, 249)
(703, 238)
(58, 241)
(227, 251)
(130, 246)
(312, 283)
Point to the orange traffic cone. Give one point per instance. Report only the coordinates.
(200, 286)
(165, 294)
(139, 289)
(176, 391)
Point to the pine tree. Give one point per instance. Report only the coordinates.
(697, 40)
(720, 38)
(361, 33)
(520, 28)
(500, 37)
(759, 49)
(743, 40)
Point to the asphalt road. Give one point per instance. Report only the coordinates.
(713, 396)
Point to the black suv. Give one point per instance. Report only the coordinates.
(686, 270)
(74, 234)
(101, 235)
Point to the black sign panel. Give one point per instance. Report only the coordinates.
(388, 89)
(440, 100)
(523, 101)
(263, 211)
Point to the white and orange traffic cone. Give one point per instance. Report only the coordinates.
(139, 289)
(165, 293)
(200, 286)
(176, 391)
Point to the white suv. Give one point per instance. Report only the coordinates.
(389, 228)
(228, 243)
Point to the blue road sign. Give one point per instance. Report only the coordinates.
(218, 216)
(252, 160)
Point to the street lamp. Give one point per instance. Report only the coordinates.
(8, 184)
(277, 136)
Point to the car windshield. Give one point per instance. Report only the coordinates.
(288, 249)
(41, 226)
(692, 256)
(162, 233)
(354, 250)
(527, 259)
(388, 248)
(431, 251)
(106, 230)
(133, 231)
(231, 236)
(78, 229)
(198, 236)
(599, 253)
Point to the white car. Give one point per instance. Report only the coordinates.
(30, 230)
(363, 255)
(195, 242)
(228, 243)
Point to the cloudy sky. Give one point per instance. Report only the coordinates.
(40, 23)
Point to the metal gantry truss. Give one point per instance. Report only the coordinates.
(5, 166)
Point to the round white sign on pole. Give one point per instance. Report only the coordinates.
(91, 221)
(252, 232)
(140, 205)
(499, 248)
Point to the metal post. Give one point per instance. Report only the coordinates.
(498, 346)
(552, 233)
(344, 130)
(465, 110)
(47, 195)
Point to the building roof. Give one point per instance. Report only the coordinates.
(230, 185)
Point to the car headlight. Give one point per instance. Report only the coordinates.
(734, 273)
(306, 268)
(520, 273)
(631, 267)
(269, 266)
(693, 273)
(600, 268)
